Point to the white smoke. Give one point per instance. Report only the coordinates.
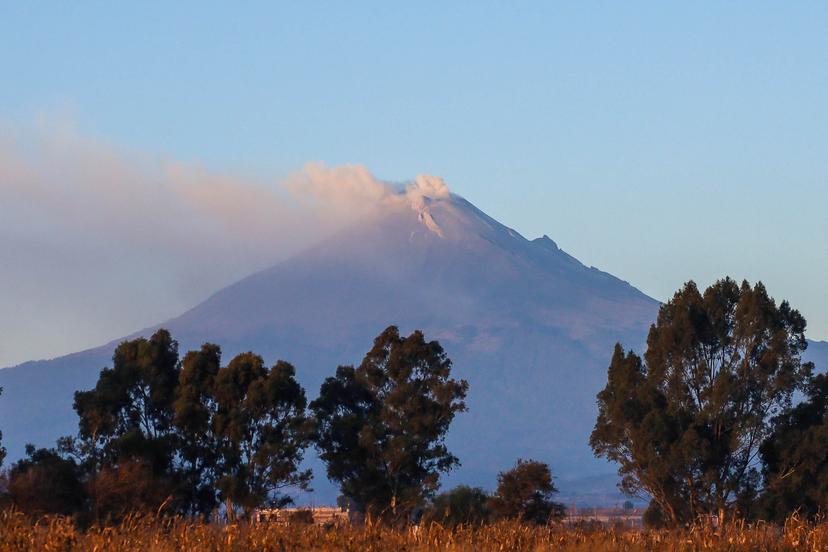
(97, 241)
(426, 186)
(423, 189)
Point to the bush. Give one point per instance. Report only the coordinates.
(525, 493)
(45, 483)
(130, 488)
(461, 505)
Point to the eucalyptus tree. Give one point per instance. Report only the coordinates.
(685, 423)
(127, 443)
(381, 426)
(129, 413)
(795, 458)
(261, 431)
(194, 409)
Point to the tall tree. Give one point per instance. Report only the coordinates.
(686, 422)
(381, 426)
(195, 408)
(127, 442)
(795, 458)
(525, 492)
(153, 429)
(262, 431)
(129, 413)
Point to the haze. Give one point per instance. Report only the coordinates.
(155, 156)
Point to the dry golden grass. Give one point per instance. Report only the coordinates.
(161, 535)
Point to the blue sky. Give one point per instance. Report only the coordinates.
(658, 142)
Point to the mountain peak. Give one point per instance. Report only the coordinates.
(528, 326)
(420, 193)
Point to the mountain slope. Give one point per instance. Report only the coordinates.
(527, 325)
(817, 353)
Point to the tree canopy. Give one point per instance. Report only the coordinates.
(188, 433)
(685, 422)
(194, 408)
(129, 413)
(525, 493)
(261, 431)
(795, 458)
(381, 426)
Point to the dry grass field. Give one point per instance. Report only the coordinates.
(161, 535)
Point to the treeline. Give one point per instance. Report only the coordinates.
(705, 423)
(191, 436)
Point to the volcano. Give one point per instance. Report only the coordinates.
(530, 327)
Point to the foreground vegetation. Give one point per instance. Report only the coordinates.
(704, 424)
(168, 534)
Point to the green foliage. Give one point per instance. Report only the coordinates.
(795, 458)
(155, 431)
(460, 505)
(129, 413)
(525, 493)
(194, 408)
(261, 430)
(126, 440)
(685, 423)
(381, 426)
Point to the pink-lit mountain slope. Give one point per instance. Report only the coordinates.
(528, 325)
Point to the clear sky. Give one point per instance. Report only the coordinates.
(658, 141)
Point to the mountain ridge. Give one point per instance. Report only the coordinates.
(527, 324)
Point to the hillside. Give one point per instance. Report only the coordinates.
(529, 326)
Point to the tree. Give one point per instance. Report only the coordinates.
(195, 408)
(129, 413)
(157, 432)
(795, 458)
(46, 483)
(525, 493)
(381, 426)
(686, 422)
(126, 421)
(262, 431)
(460, 505)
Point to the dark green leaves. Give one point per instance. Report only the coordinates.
(525, 493)
(261, 431)
(239, 429)
(381, 426)
(795, 458)
(130, 410)
(685, 424)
